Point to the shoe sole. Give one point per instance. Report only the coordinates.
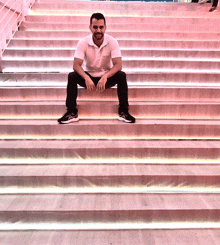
(124, 120)
(69, 121)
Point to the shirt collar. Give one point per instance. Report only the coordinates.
(91, 43)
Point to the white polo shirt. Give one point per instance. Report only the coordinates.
(97, 60)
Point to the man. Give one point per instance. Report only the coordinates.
(97, 66)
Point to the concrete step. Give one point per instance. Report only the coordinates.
(148, 236)
(109, 178)
(124, 44)
(76, 209)
(124, 9)
(108, 110)
(159, 26)
(110, 129)
(162, 92)
(84, 150)
(56, 54)
(118, 20)
(140, 77)
(131, 35)
(139, 63)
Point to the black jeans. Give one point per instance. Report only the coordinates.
(119, 78)
(215, 3)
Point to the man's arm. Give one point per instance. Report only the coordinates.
(77, 67)
(117, 66)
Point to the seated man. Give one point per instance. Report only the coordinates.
(102, 69)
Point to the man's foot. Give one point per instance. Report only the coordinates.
(126, 117)
(69, 117)
(213, 9)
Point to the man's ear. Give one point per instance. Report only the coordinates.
(90, 27)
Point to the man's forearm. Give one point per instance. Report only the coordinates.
(80, 71)
(113, 70)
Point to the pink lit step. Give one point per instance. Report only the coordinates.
(122, 178)
(51, 65)
(84, 150)
(162, 92)
(148, 77)
(56, 54)
(110, 129)
(47, 26)
(121, 7)
(181, 35)
(118, 20)
(109, 208)
(156, 236)
(124, 44)
(108, 110)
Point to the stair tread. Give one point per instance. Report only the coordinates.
(107, 202)
(95, 122)
(160, 102)
(108, 144)
(156, 236)
(111, 170)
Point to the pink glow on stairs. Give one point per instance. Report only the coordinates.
(100, 181)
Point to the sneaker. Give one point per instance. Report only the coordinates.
(69, 117)
(203, 1)
(212, 9)
(126, 117)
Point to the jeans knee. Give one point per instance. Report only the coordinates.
(121, 75)
(72, 76)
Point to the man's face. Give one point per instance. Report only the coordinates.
(98, 29)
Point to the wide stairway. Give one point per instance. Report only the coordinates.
(100, 181)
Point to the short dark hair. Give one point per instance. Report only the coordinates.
(97, 16)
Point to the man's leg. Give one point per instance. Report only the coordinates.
(122, 89)
(72, 91)
(72, 113)
(214, 6)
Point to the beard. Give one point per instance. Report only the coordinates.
(98, 36)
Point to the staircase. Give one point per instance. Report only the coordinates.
(100, 181)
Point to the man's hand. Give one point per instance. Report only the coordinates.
(101, 84)
(90, 86)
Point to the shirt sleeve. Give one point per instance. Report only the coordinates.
(115, 49)
(80, 50)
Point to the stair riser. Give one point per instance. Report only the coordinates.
(131, 64)
(106, 110)
(145, 182)
(69, 54)
(111, 235)
(118, 35)
(152, 77)
(31, 26)
(108, 7)
(88, 154)
(120, 20)
(135, 94)
(113, 131)
(137, 44)
(110, 216)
